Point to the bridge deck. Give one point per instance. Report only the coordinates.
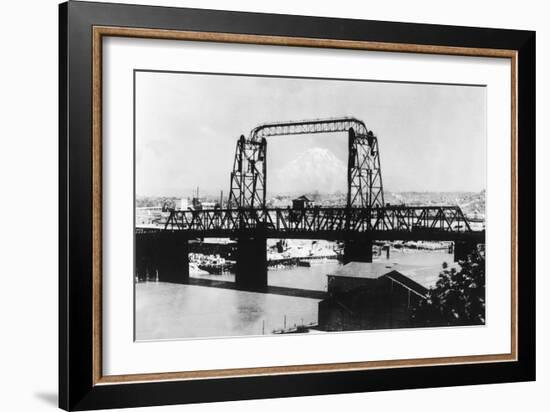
(437, 223)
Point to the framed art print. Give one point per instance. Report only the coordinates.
(259, 205)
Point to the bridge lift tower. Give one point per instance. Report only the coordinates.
(249, 176)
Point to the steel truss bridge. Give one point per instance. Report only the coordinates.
(364, 218)
(365, 214)
(438, 223)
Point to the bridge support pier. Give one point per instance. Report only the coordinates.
(463, 249)
(146, 267)
(251, 266)
(165, 258)
(174, 260)
(358, 251)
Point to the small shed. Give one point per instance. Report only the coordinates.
(369, 296)
(302, 202)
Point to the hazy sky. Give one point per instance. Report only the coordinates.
(431, 137)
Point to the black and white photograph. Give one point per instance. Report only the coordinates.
(250, 206)
(281, 205)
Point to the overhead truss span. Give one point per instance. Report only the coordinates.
(364, 176)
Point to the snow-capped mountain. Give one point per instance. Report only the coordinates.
(316, 169)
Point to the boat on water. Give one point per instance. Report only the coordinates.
(194, 269)
(211, 264)
(295, 329)
(216, 268)
(316, 260)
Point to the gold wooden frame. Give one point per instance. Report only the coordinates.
(101, 31)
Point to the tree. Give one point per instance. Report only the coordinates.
(458, 297)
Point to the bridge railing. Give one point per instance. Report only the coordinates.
(323, 219)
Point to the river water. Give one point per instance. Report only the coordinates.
(171, 311)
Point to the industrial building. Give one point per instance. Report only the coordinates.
(302, 202)
(373, 296)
